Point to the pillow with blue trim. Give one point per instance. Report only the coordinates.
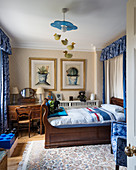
(61, 112)
(112, 107)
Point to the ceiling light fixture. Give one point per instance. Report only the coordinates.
(64, 25)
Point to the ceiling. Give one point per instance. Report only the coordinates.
(27, 22)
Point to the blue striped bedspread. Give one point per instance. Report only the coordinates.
(86, 117)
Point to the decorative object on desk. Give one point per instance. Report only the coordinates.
(71, 47)
(92, 96)
(82, 96)
(64, 25)
(57, 36)
(40, 91)
(42, 73)
(58, 96)
(27, 96)
(70, 98)
(64, 42)
(67, 55)
(27, 93)
(72, 74)
(14, 92)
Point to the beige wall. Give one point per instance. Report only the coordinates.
(99, 75)
(19, 69)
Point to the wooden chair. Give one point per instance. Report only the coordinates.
(24, 117)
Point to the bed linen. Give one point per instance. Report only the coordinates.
(86, 117)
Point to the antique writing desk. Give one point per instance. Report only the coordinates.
(36, 112)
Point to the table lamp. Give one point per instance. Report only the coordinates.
(14, 92)
(40, 91)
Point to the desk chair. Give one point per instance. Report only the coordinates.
(24, 117)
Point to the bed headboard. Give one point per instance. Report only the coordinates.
(116, 101)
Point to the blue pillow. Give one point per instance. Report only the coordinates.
(63, 113)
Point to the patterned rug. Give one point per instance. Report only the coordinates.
(90, 157)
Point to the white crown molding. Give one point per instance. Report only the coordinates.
(49, 47)
(99, 49)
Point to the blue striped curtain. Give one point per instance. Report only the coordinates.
(5, 50)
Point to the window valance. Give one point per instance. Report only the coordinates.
(4, 42)
(114, 49)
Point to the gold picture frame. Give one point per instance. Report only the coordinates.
(42, 73)
(72, 74)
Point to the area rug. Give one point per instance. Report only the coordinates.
(89, 157)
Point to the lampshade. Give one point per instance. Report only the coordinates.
(14, 90)
(40, 90)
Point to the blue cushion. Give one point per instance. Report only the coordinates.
(118, 129)
(63, 113)
(118, 141)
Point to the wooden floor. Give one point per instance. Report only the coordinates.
(16, 157)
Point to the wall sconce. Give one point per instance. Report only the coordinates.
(14, 92)
(40, 91)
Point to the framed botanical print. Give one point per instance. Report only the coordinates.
(73, 74)
(42, 73)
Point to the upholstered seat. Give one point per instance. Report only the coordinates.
(24, 121)
(118, 142)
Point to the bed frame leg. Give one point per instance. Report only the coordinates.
(117, 167)
(111, 150)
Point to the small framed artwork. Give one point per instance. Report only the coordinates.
(73, 74)
(58, 96)
(42, 73)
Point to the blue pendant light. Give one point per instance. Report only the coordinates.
(64, 25)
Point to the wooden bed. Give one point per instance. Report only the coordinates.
(58, 137)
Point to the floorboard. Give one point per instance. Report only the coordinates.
(16, 157)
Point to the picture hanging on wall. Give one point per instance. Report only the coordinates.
(73, 74)
(58, 96)
(42, 73)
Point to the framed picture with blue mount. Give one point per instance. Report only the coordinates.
(42, 73)
(72, 74)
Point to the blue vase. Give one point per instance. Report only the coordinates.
(42, 78)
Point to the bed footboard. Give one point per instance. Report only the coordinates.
(58, 137)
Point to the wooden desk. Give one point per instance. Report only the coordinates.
(36, 112)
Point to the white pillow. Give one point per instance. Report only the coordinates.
(112, 107)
